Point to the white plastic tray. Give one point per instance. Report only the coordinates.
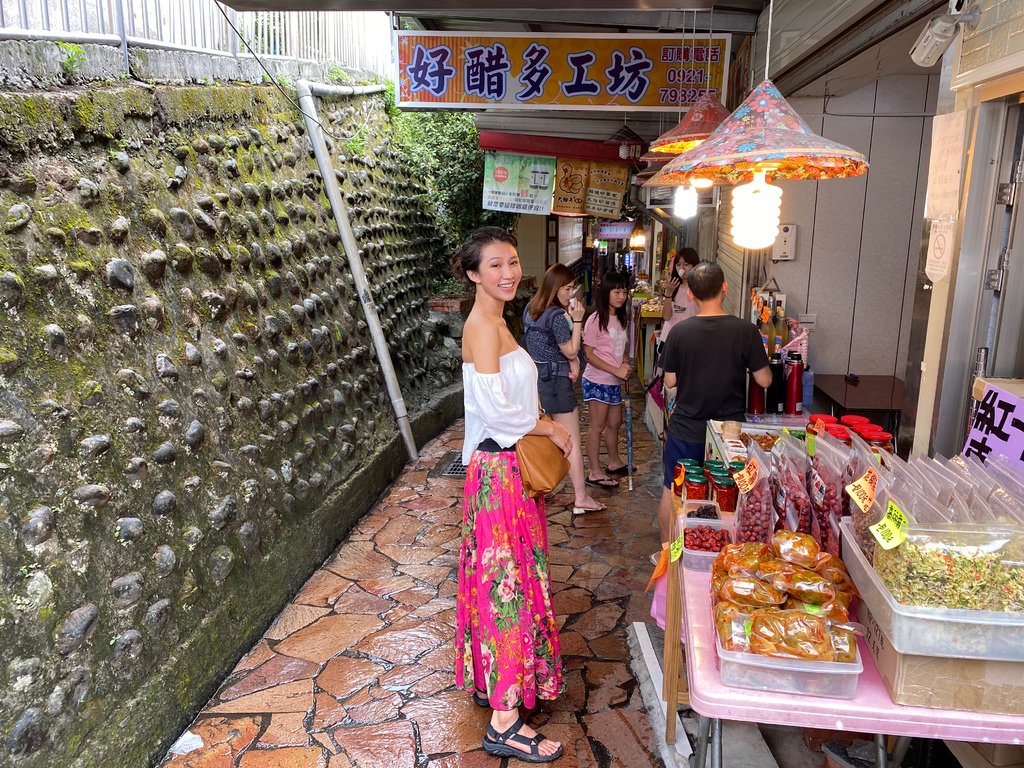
(697, 559)
(832, 679)
(924, 631)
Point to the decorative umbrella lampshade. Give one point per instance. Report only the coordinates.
(764, 133)
(631, 144)
(706, 114)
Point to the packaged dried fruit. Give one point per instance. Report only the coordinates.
(836, 612)
(844, 645)
(749, 552)
(803, 584)
(792, 504)
(749, 590)
(835, 571)
(790, 635)
(755, 514)
(825, 484)
(797, 548)
(730, 620)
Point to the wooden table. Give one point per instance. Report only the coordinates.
(872, 394)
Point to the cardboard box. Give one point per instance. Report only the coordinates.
(969, 685)
(1000, 754)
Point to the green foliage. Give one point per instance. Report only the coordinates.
(74, 58)
(394, 113)
(356, 145)
(450, 287)
(338, 75)
(443, 149)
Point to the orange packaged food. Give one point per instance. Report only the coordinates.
(730, 618)
(798, 548)
(836, 612)
(748, 590)
(790, 635)
(835, 571)
(805, 585)
(844, 644)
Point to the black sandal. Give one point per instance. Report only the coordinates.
(497, 744)
(481, 700)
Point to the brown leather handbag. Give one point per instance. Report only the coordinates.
(542, 466)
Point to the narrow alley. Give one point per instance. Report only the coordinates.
(358, 668)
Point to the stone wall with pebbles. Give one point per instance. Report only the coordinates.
(191, 413)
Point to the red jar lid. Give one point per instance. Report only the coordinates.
(860, 429)
(827, 419)
(879, 435)
(838, 431)
(852, 420)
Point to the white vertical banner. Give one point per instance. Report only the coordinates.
(944, 165)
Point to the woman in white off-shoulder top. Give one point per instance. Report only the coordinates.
(506, 641)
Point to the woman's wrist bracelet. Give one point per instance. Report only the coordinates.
(577, 322)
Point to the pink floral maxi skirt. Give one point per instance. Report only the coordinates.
(506, 640)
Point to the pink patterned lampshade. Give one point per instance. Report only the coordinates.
(763, 131)
(706, 114)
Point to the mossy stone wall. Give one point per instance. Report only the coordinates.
(191, 411)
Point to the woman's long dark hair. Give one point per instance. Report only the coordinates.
(557, 276)
(609, 283)
(467, 258)
(691, 257)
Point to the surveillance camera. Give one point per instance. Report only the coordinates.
(934, 40)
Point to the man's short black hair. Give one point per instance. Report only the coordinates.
(705, 281)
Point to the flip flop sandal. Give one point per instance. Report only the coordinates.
(495, 743)
(481, 700)
(604, 482)
(623, 470)
(583, 510)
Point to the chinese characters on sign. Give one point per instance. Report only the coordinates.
(998, 427)
(518, 183)
(640, 72)
(586, 187)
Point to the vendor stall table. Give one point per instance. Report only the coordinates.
(871, 710)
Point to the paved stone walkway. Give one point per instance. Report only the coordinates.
(358, 668)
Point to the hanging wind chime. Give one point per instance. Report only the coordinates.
(763, 137)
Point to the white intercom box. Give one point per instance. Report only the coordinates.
(784, 248)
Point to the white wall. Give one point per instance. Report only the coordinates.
(532, 235)
(858, 240)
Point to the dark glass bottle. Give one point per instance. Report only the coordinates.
(775, 396)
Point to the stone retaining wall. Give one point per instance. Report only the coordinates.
(191, 413)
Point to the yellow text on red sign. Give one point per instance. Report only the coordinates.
(577, 71)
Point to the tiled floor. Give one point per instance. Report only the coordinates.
(357, 669)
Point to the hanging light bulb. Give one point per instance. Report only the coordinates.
(684, 202)
(755, 212)
(698, 183)
(638, 237)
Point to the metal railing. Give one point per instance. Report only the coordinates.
(351, 39)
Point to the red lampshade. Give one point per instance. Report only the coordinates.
(706, 114)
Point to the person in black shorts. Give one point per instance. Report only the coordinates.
(553, 320)
(707, 357)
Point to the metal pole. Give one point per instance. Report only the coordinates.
(716, 743)
(323, 159)
(980, 369)
(122, 33)
(701, 747)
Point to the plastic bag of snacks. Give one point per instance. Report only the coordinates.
(755, 515)
(790, 635)
(730, 621)
(797, 548)
(803, 584)
(836, 612)
(792, 504)
(750, 590)
(835, 571)
(825, 488)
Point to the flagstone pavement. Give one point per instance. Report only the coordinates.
(357, 671)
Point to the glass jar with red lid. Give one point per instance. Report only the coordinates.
(862, 429)
(726, 494)
(696, 487)
(880, 440)
(852, 420)
(839, 432)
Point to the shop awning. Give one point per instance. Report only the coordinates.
(554, 146)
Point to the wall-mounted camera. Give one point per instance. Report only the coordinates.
(938, 33)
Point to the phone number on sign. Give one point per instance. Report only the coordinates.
(682, 95)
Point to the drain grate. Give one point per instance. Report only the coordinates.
(455, 468)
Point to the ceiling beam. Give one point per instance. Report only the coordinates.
(456, 6)
(662, 21)
(886, 20)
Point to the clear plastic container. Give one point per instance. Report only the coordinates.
(832, 679)
(699, 560)
(924, 631)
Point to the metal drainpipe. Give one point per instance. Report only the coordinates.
(306, 90)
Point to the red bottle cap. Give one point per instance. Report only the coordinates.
(826, 418)
(838, 431)
(861, 429)
(851, 420)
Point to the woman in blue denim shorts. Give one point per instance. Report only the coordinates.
(604, 344)
(553, 321)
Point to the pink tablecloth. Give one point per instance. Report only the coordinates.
(870, 711)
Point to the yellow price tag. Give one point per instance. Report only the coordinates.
(891, 530)
(677, 548)
(862, 490)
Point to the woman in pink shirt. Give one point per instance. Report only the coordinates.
(604, 344)
(677, 303)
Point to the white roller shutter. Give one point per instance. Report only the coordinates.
(733, 261)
